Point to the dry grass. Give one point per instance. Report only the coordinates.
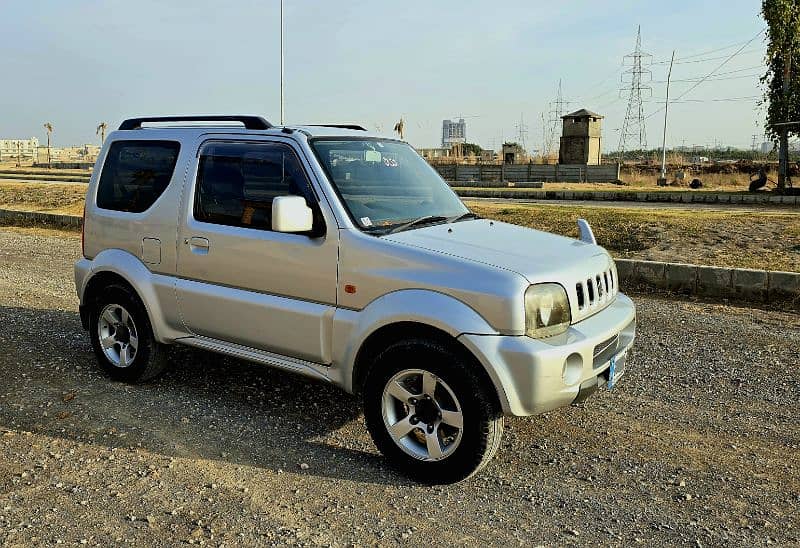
(718, 238)
(63, 198)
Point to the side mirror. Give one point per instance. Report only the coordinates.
(291, 214)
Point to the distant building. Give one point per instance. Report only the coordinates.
(580, 138)
(514, 154)
(453, 133)
(12, 148)
(766, 148)
(435, 153)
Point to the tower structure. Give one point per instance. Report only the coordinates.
(558, 108)
(522, 132)
(637, 79)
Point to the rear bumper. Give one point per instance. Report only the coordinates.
(534, 376)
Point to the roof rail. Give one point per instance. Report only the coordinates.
(340, 126)
(249, 122)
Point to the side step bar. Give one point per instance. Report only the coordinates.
(263, 357)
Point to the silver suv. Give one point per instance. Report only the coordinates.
(343, 256)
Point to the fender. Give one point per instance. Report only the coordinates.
(443, 312)
(156, 291)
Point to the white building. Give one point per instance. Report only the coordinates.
(453, 132)
(13, 148)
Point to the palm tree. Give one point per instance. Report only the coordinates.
(101, 131)
(49, 127)
(400, 127)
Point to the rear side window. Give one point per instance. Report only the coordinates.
(135, 174)
(237, 181)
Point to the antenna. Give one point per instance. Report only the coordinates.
(633, 128)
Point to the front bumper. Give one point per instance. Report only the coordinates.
(534, 376)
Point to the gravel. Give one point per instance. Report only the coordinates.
(699, 444)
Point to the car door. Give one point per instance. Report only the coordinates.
(241, 282)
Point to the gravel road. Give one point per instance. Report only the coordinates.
(700, 443)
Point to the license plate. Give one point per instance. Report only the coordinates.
(617, 368)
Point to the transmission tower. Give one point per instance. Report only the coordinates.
(522, 132)
(637, 79)
(558, 108)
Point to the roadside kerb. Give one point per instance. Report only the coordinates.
(712, 281)
(626, 196)
(10, 216)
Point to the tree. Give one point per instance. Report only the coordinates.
(49, 127)
(782, 81)
(101, 131)
(471, 148)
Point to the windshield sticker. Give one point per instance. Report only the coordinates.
(389, 162)
(366, 221)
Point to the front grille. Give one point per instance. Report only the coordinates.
(595, 291)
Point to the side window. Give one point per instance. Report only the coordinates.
(135, 174)
(236, 183)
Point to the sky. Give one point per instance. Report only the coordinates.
(81, 62)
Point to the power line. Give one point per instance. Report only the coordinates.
(757, 75)
(723, 48)
(679, 62)
(710, 74)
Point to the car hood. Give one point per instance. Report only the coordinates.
(536, 255)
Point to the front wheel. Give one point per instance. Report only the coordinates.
(429, 412)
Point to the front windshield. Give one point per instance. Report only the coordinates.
(386, 185)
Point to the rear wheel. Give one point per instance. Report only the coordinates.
(122, 337)
(430, 413)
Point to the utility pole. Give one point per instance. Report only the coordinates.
(282, 120)
(663, 180)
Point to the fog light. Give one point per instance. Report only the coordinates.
(573, 367)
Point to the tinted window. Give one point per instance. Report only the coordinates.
(135, 174)
(237, 182)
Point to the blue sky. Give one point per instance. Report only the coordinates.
(80, 62)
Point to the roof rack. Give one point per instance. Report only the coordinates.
(340, 126)
(249, 122)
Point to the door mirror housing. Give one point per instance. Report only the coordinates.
(291, 214)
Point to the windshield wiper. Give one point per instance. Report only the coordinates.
(463, 217)
(424, 219)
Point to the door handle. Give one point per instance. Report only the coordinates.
(198, 245)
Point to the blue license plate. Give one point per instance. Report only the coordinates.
(617, 368)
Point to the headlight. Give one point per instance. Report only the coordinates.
(546, 310)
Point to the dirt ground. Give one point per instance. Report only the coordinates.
(699, 445)
(766, 240)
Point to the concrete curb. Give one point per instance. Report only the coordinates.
(711, 281)
(37, 178)
(10, 216)
(686, 196)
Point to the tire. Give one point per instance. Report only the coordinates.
(122, 337)
(394, 395)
